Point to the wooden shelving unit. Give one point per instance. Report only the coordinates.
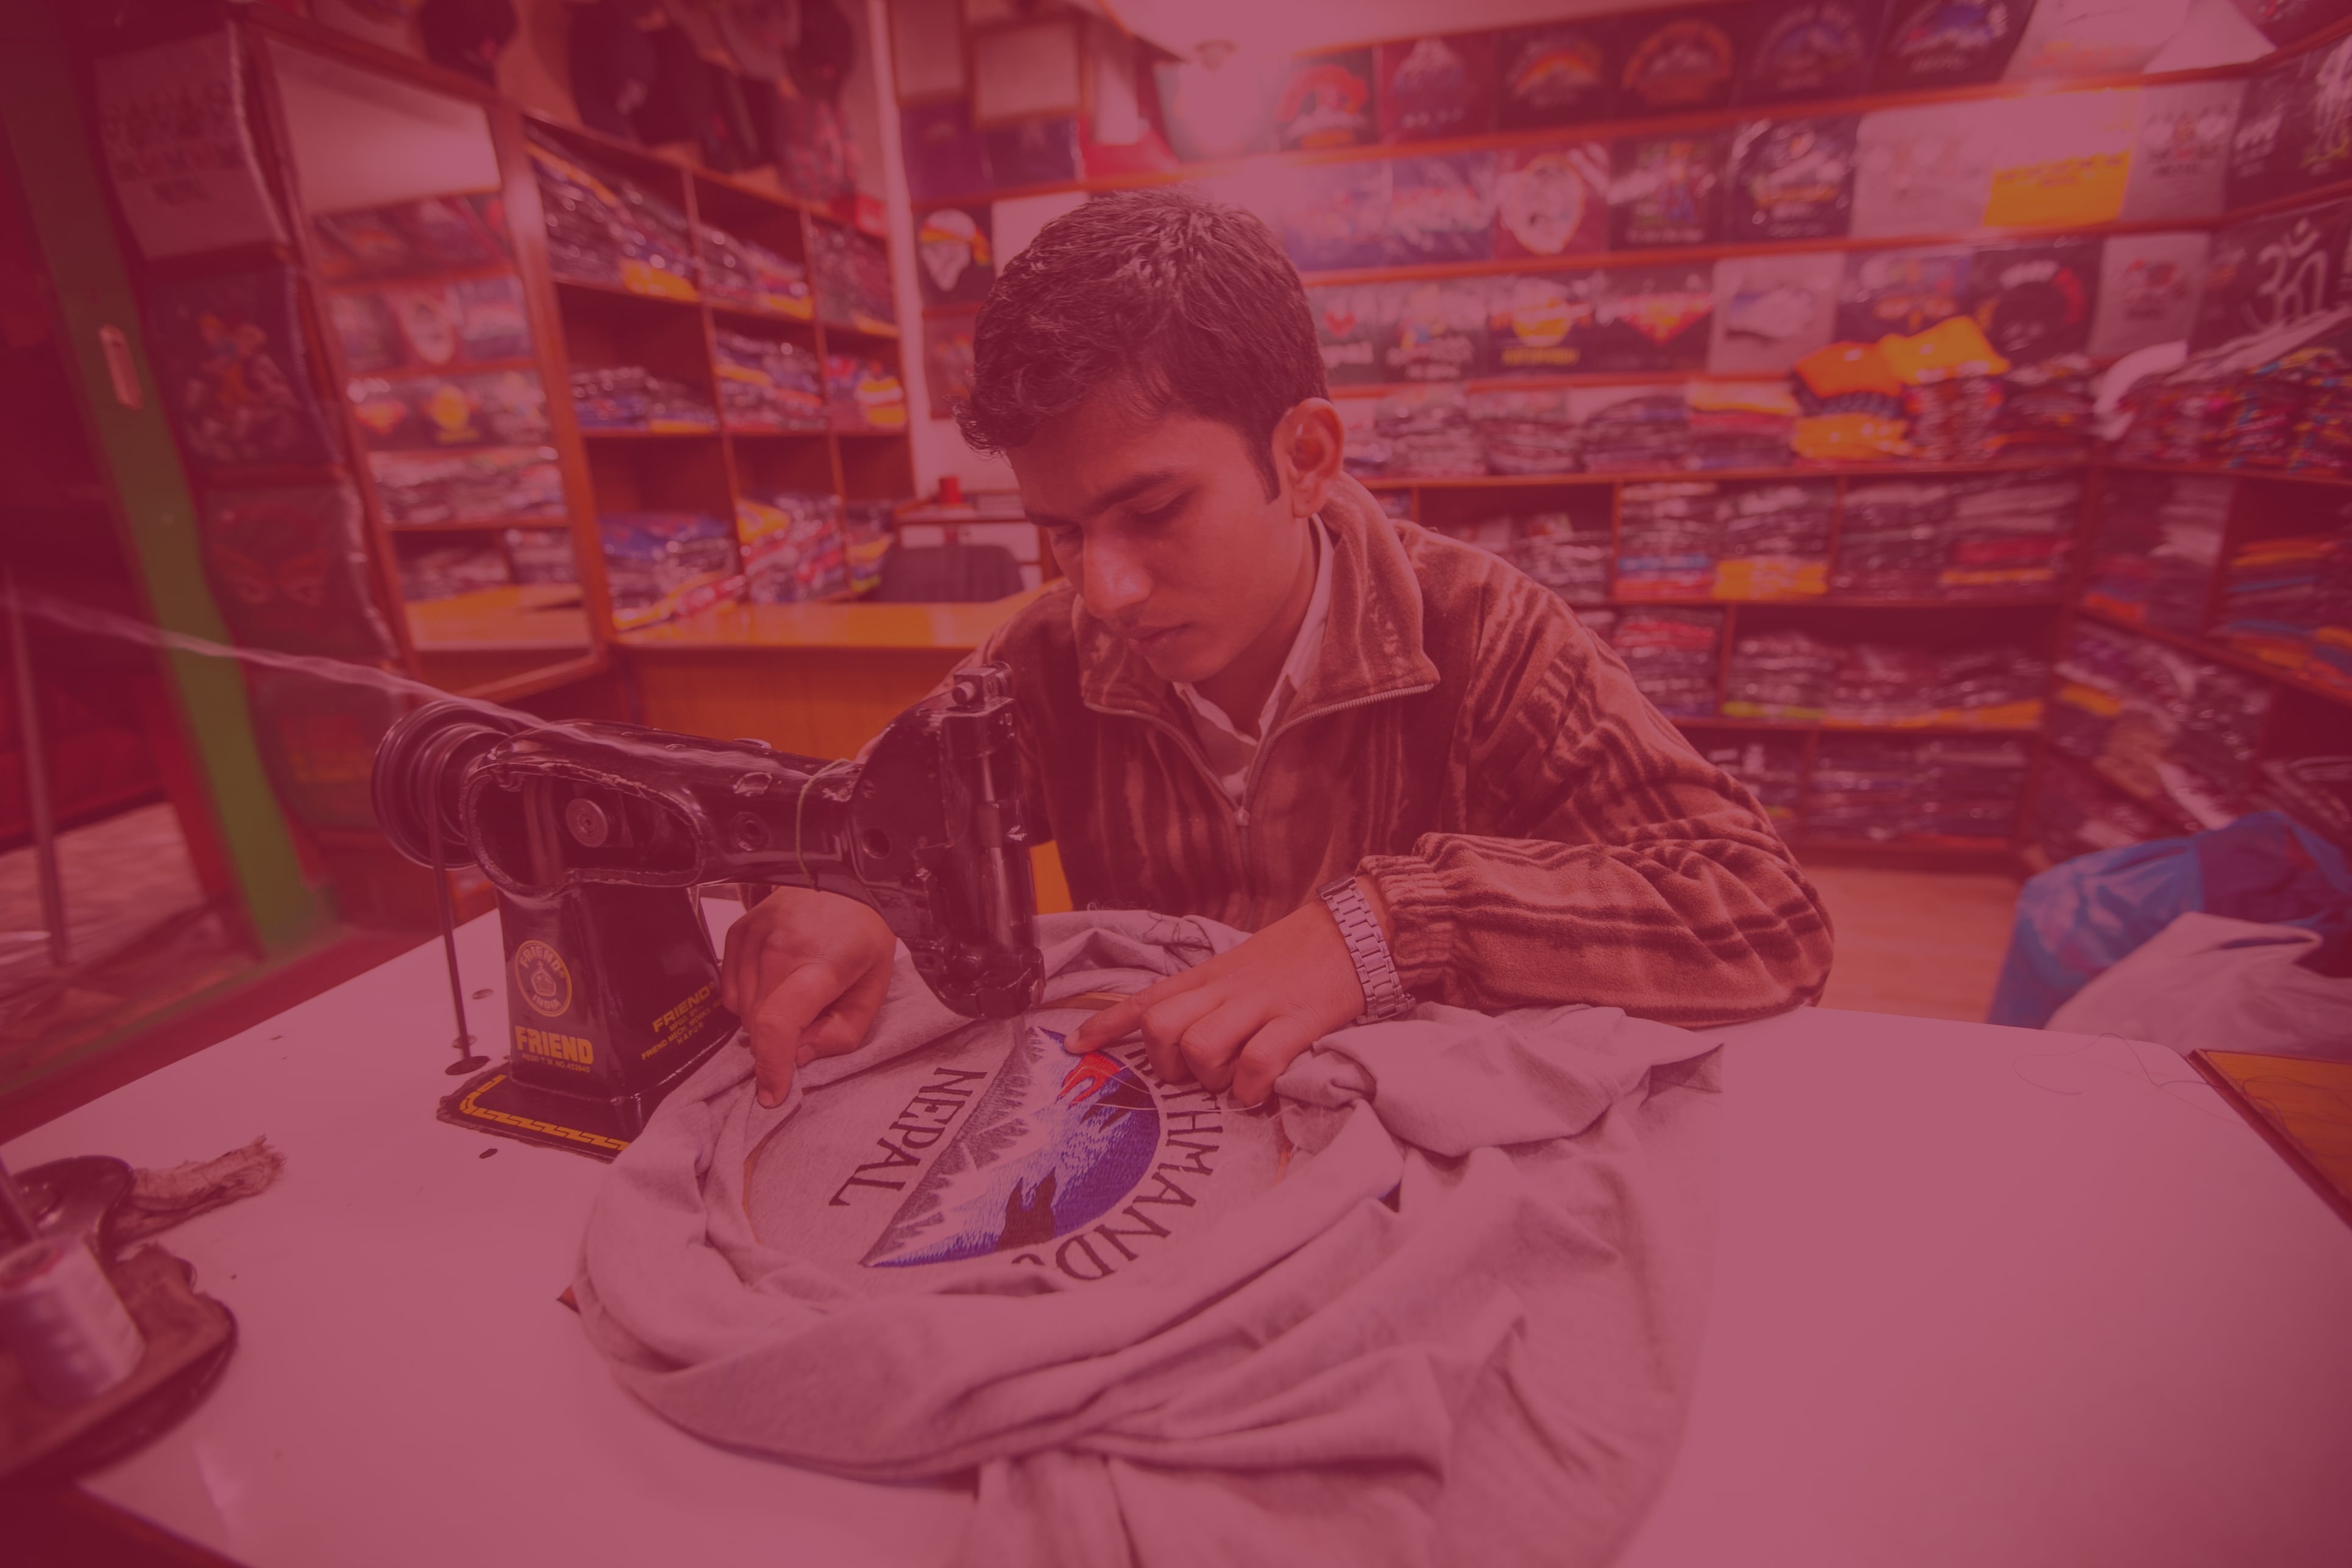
(2304, 716)
(707, 470)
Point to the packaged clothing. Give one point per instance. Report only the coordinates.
(2077, 920)
(1771, 312)
(2206, 983)
(1441, 1306)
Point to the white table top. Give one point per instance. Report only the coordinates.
(1982, 1295)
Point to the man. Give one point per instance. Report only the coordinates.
(1399, 762)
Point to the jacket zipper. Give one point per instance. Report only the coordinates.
(1240, 814)
(1292, 721)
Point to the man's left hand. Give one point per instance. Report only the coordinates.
(1237, 1021)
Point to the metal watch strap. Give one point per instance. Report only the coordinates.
(1384, 993)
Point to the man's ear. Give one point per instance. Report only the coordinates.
(1309, 444)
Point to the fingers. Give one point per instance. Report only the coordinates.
(1269, 1051)
(1164, 1025)
(1210, 1046)
(1117, 1022)
(783, 1019)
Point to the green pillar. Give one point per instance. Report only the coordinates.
(64, 201)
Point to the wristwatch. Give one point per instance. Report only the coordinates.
(1384, 993)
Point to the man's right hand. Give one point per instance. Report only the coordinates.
(806, 972)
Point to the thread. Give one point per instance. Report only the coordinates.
(61, 1318)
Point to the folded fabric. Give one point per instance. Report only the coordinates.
(1441, 1306)
(2208, 983)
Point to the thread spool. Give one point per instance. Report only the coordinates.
(61, 1318)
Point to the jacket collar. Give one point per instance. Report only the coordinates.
(1371, 644)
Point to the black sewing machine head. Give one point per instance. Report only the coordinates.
(596, 837)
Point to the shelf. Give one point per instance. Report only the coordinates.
(1969, 850)
(2234, 471)
(1605, 130)
(955, 628)
(1826, 727)
(588, 432)
(399, 529)
(1893, 470)
(739, 435)
(2219, 653)
(1719, 250)
(1833, 602)
(762, 317)
(506, 268)
(876, 332)
(616, 292)
(871, 434)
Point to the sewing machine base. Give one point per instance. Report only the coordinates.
(498, 1103)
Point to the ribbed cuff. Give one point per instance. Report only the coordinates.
(1421, 921)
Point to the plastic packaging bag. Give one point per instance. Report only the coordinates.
(2078, 919)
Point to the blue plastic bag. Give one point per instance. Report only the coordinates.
(2076, 919)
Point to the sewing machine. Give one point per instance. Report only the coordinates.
(596, 836)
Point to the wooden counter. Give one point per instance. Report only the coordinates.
(818, 680)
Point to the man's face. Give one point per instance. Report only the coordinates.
(1164, 526)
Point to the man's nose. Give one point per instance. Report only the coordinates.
(1115, 584)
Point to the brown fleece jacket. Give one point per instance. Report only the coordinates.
(1541, 835)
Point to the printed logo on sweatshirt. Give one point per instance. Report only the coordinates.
(1072, 1163)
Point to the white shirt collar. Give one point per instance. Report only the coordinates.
(1304, 650)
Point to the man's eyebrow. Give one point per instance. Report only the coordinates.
(1125, 491)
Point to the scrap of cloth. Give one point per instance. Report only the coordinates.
(1441, 1306)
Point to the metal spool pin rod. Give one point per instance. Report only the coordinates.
(37, 779)
(464, 1043)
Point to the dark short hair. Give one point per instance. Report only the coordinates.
(1185, 305)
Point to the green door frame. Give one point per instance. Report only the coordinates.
(42, 120)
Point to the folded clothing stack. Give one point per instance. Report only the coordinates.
(2288, 602)
(603, 227)
(1429, 435)
(793, 547)
(2273, 399)
(1771, 766)
(1739, 425)
(2315, 791)
(447, 571)
(2160, 535)
(1955, 421)
(1894, 788)
(631, 397)
(1369, 453)
(864, 394)
(2322, 429)
(1672, 656)
(2010, 534)
(737, 271)
(2166, 727)
(1780, 675)
(851, 278)
(867, 538)
(1571, 560)
(1648, 433)
(1775, 541)
(766, 383)
(1893, 542)
(482, 484)
(1998, 687)
(1524, 432)
(664, 565)
(2075, 812)
(1666, 539)
(541, 554)
(2046, 408)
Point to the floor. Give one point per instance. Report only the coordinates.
(141, 937)
(1925, 944)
